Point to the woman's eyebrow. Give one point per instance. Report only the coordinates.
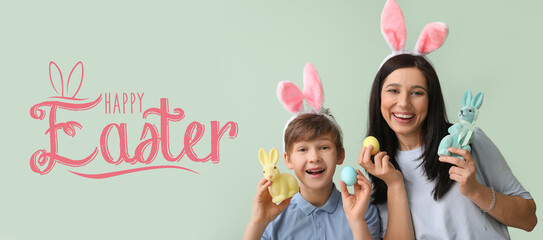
(399, 85)
(419, 86)
(393, 85)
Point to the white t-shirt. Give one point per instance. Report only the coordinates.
(455, 216)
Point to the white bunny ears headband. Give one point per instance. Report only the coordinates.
(393, 29)
(292, 97)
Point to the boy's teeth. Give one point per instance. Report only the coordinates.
(403, 115)
(315, 171)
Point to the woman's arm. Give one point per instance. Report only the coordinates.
(400, 225)
(512, 211)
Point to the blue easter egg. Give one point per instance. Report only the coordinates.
(348, 175)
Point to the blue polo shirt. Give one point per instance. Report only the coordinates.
(302, 220)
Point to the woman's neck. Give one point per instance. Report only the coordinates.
(317, 197)
(409, 142)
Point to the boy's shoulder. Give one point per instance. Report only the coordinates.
(301, 218)
(301, 208)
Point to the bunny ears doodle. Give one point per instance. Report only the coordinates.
(64, 88)
(393, 29)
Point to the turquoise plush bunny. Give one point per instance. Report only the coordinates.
(461, 133)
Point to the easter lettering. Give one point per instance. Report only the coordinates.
(152, 138)
(162, 139)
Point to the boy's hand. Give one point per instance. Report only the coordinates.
(355, 205)
(264, 210)
(382, 168)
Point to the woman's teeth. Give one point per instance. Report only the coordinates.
(405, 116)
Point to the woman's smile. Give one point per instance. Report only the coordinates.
(403, 117)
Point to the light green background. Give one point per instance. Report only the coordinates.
(221, 60)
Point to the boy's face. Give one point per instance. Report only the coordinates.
(314, 162)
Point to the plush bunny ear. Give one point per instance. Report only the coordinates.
(274, 156)
(312, 87)
(478, 100)
(291, 96)
(77, 76)
(432, 37)
(393, 25)
(466, 100)
(263, 157)
(55, 73)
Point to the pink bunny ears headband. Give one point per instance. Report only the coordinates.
(393, 29)
(292, 97)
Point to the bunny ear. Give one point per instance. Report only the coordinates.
(76, 78)
(478, 100)
(262, 157)
(312, 87)
(291, 96)
(393, 25)
(56, 74)
(466, 100)
(274, 156)
(432, 37)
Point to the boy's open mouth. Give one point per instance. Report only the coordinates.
(315, 171)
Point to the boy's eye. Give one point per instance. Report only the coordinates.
(301, 149)
(325, 147)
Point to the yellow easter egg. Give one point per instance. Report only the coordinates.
(370, 140)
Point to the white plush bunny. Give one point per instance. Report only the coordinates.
(283, 185)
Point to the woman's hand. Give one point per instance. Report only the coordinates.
(510, 210)
(382, 168)
(399, 217)
(463, 171)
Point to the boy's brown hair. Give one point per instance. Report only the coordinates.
(310, 126)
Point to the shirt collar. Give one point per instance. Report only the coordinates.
(330, 206)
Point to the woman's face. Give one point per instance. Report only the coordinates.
(404, 101)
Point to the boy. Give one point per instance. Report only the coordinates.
(313, 148)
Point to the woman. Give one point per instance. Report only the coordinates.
(449, 198)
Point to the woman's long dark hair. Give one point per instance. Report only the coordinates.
(434, 127)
